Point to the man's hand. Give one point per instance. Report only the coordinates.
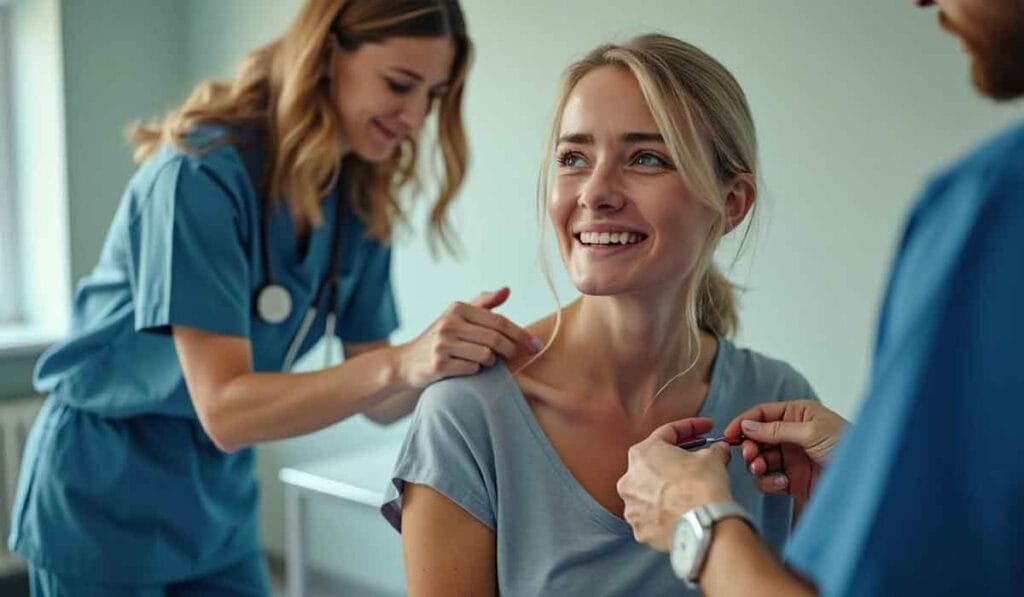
(663, 481)
(788, 444)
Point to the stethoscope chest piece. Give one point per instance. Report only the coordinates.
(274, 303)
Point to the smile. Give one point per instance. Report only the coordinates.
(387, 133)
(591, 239)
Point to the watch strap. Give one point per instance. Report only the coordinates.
(709, 514)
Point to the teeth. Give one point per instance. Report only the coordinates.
(609, 238)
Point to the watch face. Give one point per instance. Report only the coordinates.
(685, 545)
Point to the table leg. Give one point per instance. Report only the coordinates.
(295, 530)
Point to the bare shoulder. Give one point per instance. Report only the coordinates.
(542, 328)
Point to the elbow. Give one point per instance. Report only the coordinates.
(220, 428)
(227, 445)
(382, 419)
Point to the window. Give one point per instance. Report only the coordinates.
(10, 283)
(35, 288)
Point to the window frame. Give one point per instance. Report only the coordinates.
(12, 310)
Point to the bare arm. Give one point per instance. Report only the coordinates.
(238, 407)
(389, 409)
(447, 551)
(740, 564)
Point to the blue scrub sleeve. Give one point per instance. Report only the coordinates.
(371, 315)
(188, 246)
(925, 493)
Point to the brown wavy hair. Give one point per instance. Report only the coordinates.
(282, 91)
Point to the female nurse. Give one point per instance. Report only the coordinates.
(256, 225)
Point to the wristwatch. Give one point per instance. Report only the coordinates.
(692, 537)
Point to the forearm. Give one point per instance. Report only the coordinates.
(740, 564)
(256, 407)
(393, 407)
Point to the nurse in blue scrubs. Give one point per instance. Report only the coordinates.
(924, 495)
(256, 225)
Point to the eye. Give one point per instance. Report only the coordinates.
(571, 159)
(649, 159)
(397, 87)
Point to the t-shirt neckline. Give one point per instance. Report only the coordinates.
(588, 502)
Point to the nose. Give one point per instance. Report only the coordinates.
(414, 113)
(601, 192)
(923, 3)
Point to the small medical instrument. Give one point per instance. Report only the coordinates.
(274, 302)
(700, 442)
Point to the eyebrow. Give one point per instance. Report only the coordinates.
(442, 86)
(588, 139)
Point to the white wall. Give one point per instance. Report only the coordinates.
(856, 104)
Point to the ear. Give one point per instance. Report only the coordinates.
(741, 194)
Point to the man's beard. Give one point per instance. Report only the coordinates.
(997, 63)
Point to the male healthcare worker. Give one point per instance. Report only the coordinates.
(925, 495)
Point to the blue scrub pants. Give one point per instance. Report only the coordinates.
(247, 578)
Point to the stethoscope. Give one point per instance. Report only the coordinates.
(274, 302)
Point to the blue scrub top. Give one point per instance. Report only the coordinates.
(120, 483)
(926, 493)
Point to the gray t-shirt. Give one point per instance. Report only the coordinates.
(476, 441)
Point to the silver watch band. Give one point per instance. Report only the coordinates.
(688, 568)
(712, 513)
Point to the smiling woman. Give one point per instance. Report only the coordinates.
(655, 160)
(257, 223)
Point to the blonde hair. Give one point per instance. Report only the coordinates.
(282, 91)
(703, 115)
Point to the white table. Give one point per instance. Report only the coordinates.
(355, 477)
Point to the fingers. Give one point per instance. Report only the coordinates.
(490, 300)
(460, 367)
(679, 431)
(486, 337)
(750, 450)
(768, 461)
(720, 451)
(475, 353)
(776, 483)
(484, 318)
(777, 432)
(769, 411)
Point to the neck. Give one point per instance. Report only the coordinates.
(632, 345)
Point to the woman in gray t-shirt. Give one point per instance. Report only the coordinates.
(506, 482)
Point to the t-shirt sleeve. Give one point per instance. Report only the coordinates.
(924, 494)
(371, 315)
(188, 255)
(796, 387)
(447, 449)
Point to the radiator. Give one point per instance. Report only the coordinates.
(15, 419)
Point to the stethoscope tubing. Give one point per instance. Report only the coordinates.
(329, 283)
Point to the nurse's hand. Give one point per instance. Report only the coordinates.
(465, 338)
(788, 444)
(663, 482)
